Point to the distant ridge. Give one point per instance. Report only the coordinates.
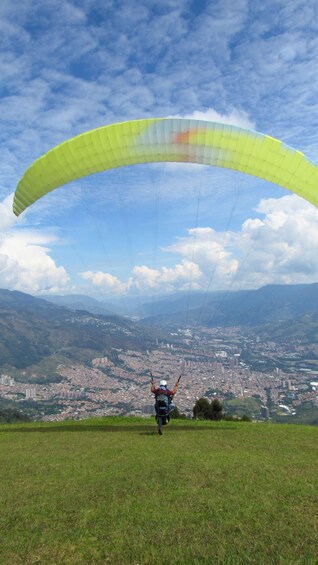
(271, 303)
(81, 302)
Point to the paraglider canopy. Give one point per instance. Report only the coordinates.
(163, 140)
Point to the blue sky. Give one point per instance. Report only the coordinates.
(70, 66)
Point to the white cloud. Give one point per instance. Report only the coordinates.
(7, 217)
(235, 117)
(208, 249)
(107, 283)
(147, 280)
(278, 247)
(25, 263)
(166, 279)
(281, 247)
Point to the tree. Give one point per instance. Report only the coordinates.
(204, 410)
(201, 409)
(11, 415)
(216, 410)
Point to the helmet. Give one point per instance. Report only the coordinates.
(163, 383)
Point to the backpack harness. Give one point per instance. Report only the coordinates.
(163, 402)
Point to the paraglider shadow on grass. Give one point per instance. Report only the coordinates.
(137, 429)
(190, 428)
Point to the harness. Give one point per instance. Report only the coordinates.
(163, 401)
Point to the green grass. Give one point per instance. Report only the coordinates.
(113, 491)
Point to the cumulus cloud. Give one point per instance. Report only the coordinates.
(145, 279)
(279, 246)
(234, 117)
(209, 250)
(25, 263)
(107, 283)
(167, 279)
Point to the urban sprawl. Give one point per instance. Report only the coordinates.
(209, 360)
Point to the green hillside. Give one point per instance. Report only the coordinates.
(113, 491)
(33, 331)
(304, 328)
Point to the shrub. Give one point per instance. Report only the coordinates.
(177, 414)
(204, 410)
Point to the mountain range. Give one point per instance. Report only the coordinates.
(269, 303)
(79, 328)
(82, 302)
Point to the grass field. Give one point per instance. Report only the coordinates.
(113, 491)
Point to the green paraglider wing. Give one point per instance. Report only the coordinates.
(163, 140)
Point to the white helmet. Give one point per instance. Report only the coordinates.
(163, 383)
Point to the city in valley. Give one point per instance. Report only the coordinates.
(213, 363)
